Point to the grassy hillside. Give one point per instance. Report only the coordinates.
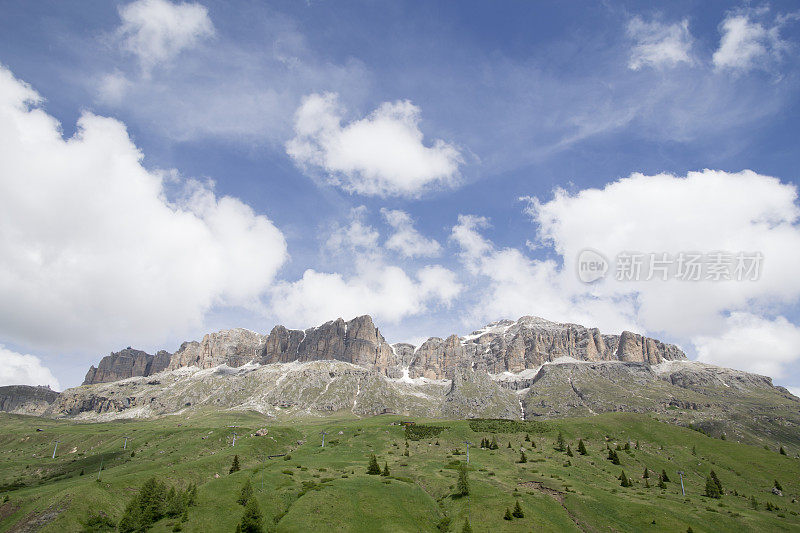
(313, 487)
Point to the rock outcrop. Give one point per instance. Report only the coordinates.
(26, 400)
(500, 347)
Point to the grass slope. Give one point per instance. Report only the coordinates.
(314, 488)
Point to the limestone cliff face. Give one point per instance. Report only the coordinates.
(357, 341)
(26, 400)
(504, 346)
(124, 364)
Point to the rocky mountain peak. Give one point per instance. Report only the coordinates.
(502, 346)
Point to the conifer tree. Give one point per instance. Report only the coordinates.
(717, 482)
(581, 447)
(646, 473)
(467, 528)
(374, 468)
(569, 451)
(493, 445)
(624, 481)
(782, 451)
(385, 469)
(664, 476)
(517, 513)
(509, 445)
(627, 446)
(533, 444)
(778, 485)
(462, 489)
(234, 465)
(252, 521)
(508, 516)
(661, 484)
(613, 457)
(246, 493)
(560, 442)
(527, 437)
(522, 458)
(712, 490)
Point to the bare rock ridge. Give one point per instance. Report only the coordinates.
(504, 346)
(25, 399)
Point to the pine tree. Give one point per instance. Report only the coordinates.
(508, 516)
(569, 451)
(782, 451)
(467, 528)
(509, 445)
(527, 438)
(712, 490)
(694, 450)
(646, 473)
(581, 447)
(246, 493)
(374, 468)
(753, 503)
(613, 457)
(624, 481)
(717, 482)
(462, 489)
(664, 476)
(627, 446)
(778, 485)
(494, 445)
(191, 495)
(522, 458)
(637, 444)
(234, 465)
(517, 513)
(385, 469)
(533, 444)
(252, 521)
(560, 442)
(618, 448)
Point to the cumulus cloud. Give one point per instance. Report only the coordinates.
(95, 248)
(514, 285)
(705, 212)
(19, 369)
(386, 292)
(406, 239)
(371, 286)
(747, 43)
(156, 31)
(658, 44)
(752, 343)
(382, 154)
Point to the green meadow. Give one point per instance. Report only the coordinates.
(299, 485)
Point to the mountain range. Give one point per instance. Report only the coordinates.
(525, 369)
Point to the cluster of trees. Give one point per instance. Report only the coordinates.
(489, 445)
(252, 521)
(516, 513)
(713, 486)
(154, 502)
(374, 469)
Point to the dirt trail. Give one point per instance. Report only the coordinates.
(556, 495)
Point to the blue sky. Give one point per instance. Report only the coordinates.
(436, 165)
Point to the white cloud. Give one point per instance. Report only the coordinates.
(156, 31)
(747, 44)
(92, 248)
(19, 369)
(382, 154)
(703, 212)
(356, 235)
(517, 285)
(794, 390)
(385, 292)
(659, 44)
(405, 238)
(371, 284)
(752, 343)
